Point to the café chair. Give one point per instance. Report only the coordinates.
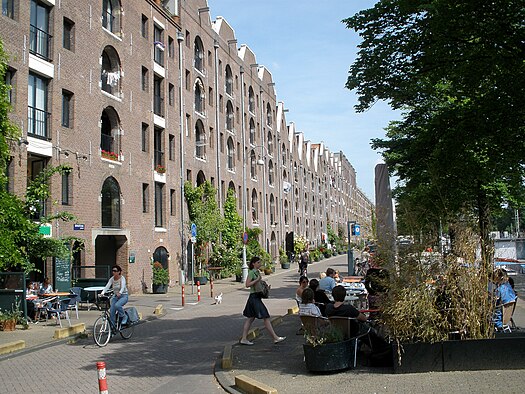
(61, 309)
(352, 330)
(42, 306)
(75, 301)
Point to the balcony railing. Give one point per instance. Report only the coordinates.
(38, 122)
(39, 42)
(159, 158)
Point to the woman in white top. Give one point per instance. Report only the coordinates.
(303, 284)
(307, 306)
(120, 294)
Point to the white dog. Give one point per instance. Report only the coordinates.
(218, 299)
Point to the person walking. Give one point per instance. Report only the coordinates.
(254, 306)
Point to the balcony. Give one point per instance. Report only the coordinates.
(40, 43)
(158, 105)
(38, 122)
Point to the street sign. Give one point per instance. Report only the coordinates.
(193, 239)
(78, 226)
(356, 230)
(193, 230)
(245, 238)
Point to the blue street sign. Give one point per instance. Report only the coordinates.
(356, 230)
(245, 238)
(193, 230)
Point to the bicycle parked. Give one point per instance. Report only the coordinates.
(104, 328)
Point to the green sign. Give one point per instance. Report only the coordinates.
(63, 273)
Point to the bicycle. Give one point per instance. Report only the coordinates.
(104, 329)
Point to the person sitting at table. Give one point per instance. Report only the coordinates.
(307, 306)
(328, 282)
(381, 350)
(303, 284)
(46, 287)
(120, 295)
(320, 297)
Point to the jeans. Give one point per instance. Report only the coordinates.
(117, 305)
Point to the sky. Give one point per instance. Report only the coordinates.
(309, 51)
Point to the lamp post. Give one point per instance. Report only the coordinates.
(262, 162)
(244, 197)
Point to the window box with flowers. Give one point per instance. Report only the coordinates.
(160, 169)
(105, 154)
(161, 278)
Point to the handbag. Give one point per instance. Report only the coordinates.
(262, 288)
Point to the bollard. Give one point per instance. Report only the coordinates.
(102, 383)
(183, 296)
(198, 291)
(211, 287)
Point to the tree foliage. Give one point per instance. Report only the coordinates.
(456, 69)
(232, 232)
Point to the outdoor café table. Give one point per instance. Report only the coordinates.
(96, 290)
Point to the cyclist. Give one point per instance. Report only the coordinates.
(120, 294)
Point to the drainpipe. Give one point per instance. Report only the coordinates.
(184, 262)
(217, 123)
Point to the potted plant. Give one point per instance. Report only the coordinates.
(283, 259)
(8, 319)
(160, 169)
(161, 278)
(109, 155)
(238, 274)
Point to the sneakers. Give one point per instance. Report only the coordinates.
(246, 342)
(279, 339)
(124, 320)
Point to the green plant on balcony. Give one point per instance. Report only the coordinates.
(106, 154)
(160, 169)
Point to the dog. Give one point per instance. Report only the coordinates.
(218, 299)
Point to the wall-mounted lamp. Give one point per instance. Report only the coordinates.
(180, 36)
(23, 142)
(260, 162)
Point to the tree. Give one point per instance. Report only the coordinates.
(232, 232)
(456, 70)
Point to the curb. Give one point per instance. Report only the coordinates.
(12, 347)
(61, 333)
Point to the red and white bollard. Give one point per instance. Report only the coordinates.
(183, 296)
(102, 383)
(211, 287)
(198, 291)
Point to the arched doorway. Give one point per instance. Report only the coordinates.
(162, 256)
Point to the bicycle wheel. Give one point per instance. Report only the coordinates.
(127, 332)
(101, 331)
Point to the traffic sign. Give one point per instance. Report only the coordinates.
(193, 230)
(356, 230)
(245, 238)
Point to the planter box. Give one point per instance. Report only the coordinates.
(330, 357)
(160, 289)
(503, 352)
(285, 266)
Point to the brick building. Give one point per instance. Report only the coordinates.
(139, 96)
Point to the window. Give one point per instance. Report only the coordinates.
(171, 94)
(110, 72)
(269, 115)
(199, 97)
(271, 176)
(229, 81)
(255, 207)
(270, 144)
(110, 134)
(158, 96)
(273, 220)
(68, 35)
(145, 198)
(210, 96)
(231, 154)
(252, 132)
(158, 146)
(171, 47)
(66, 186)
(67, 108)
(211, 138)
(198, 55)
(283, 151)
(173, 202)
(9, 79)
(253, 165)
(39, 37)
(171, 147)
(286, 213)
(200, 140)
(230, 117)
(38, 117)
(145, 137)
(187, 80)
(144, 26)
(158, 42)
(111, 15)
(159, 204)
(144, 80)
(251, 100)
(8, 8)
(110, 205)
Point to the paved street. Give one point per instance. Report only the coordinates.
(177, 352)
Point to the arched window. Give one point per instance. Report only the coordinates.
(286, 213)
(230, 151)
(283, 152)
(201, 178)
(229, 80)
(285, 176)
(229, 117)
(252, 131)
(269, 114)
(110, 72)
(305, 203)
(111, 16)
(200, 140)
(255, 207)
(198, 55)
(110, 207)
(251, 100)
(253, 165)
(199, 97)
(110, 134)
(307, 230)
(273, 219)
(271, 175)
(270, 143)
(296, 194)
(295, 177)
(313, 204)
